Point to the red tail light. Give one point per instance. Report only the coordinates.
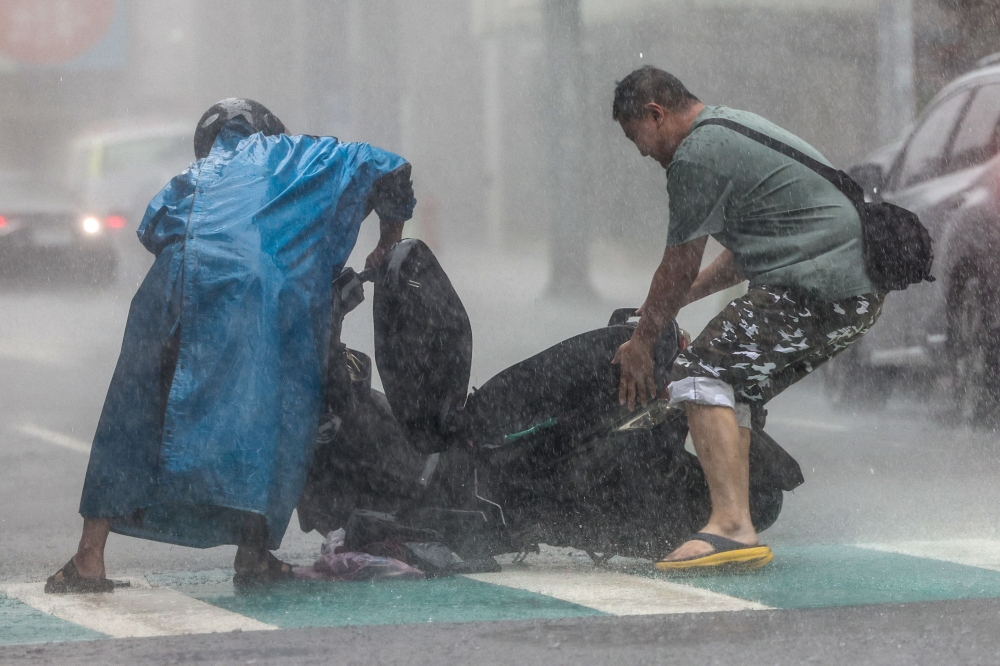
(115, 222)
(3, 221)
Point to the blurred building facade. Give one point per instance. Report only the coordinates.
(460, 87)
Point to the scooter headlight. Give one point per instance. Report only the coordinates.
(648, 417)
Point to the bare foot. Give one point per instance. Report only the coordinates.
(256, 562)
(260, 568)
(89, 566)
(697, 548)
(250, 560)
(69, 580)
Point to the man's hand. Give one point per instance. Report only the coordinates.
(635, 358)
(375, 257)
(671, 283)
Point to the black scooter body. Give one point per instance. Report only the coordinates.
(541, 453)
(423, 349)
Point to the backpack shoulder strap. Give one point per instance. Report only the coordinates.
(840, 180)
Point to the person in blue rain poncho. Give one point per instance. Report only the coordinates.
(209, 424)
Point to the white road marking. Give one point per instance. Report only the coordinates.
(138, 611)
(618, 593)
(982, 553)
(54, 437)
(792, 422)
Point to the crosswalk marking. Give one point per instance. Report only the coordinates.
(801, 577)
(981, 553)
(138, 611)
(618, 593)
(54, 437)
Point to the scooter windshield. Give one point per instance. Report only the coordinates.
(423, 343)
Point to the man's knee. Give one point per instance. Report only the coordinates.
(709, 392)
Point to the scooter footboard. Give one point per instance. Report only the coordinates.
(636, 493)
(631, 494)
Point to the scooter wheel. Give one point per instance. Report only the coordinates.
(765, 505)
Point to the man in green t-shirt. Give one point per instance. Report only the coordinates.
(784, 228)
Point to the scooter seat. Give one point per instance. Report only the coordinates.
(568, 386)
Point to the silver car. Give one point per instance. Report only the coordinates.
(116, 171)
(945, 334)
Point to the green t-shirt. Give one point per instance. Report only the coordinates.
(786, 225)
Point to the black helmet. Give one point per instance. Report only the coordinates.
(255, 113)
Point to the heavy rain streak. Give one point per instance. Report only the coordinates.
(384, 313)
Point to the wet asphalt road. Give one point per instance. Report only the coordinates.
(947, 632)
(870, 478)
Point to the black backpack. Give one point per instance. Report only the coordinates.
(896, 246)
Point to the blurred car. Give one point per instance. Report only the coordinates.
(115, 171)
(45, 234)
(119, 169)
(945, 334)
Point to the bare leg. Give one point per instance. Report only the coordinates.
(251, 553)
(723, 450)
(89, 557)
(252, 556)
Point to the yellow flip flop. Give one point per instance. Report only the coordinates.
(729, 556)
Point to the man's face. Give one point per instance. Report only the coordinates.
(654, 134)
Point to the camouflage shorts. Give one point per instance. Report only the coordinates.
(766, 341)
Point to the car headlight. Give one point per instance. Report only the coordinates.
(91, 225)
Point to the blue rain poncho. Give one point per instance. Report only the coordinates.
(247, 242)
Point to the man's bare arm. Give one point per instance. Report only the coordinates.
(720, 274)
(390, 233)
(671, 283)
(392, 199)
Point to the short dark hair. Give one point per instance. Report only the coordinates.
(649, 84)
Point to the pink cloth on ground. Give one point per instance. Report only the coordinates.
(342, 567)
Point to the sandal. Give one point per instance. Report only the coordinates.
(73, 583)
(275, 572)
(729, 555)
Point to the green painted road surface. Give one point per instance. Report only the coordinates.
(310, 604)
(818, 577)
(20, 624)
(799, 577)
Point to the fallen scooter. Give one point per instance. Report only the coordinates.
(541, 453)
